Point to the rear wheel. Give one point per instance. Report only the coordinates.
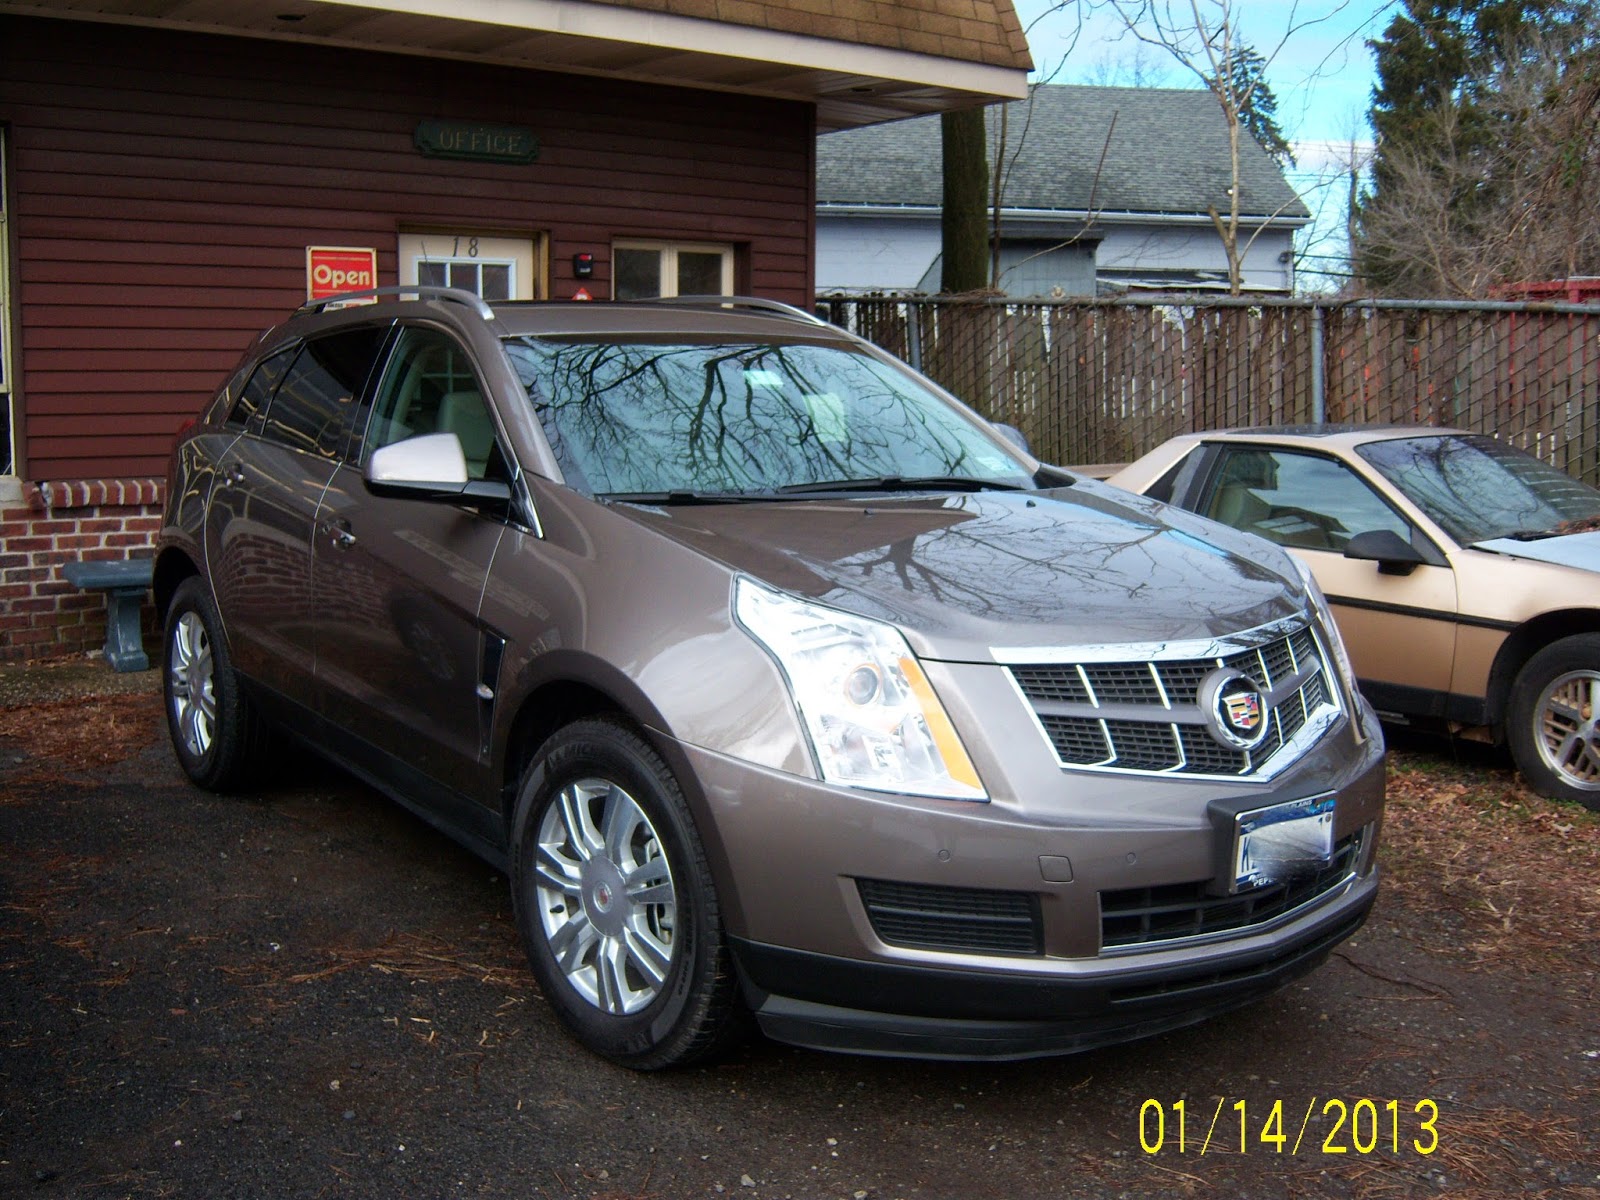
(615, 901)
(216, 734)
(1553, 720)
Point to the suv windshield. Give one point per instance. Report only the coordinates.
(663, 418)
(1477, 488)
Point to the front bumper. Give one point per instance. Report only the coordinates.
(828, 1003)
(790, 855)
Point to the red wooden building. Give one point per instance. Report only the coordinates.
(173, 174)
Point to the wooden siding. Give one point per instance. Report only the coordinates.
(166, 185)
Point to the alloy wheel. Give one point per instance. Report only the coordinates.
(606, 896)
(1568, 737)
(191, 684)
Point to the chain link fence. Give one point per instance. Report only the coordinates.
(1104, 381)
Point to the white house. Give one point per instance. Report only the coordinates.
(1105, 189)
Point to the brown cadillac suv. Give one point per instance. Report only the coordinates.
(780, 684)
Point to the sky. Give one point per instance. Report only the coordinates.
(1320, 70)
(1321, 74)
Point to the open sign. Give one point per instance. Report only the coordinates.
(334, 269)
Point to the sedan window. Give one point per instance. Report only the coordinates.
(1301, 500)
(1477, 488)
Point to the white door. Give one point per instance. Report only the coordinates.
(492, 265)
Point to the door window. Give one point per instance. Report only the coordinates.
(257, 393)
(312, 408)
(1301, 500)
(430, 387)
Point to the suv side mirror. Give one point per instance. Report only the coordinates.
(429, 467)
(1393, 554)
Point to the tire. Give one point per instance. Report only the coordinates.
(615, 902)
(219, 739)
(1553, 720)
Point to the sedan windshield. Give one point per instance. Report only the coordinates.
(683, 420)
(1477, 488)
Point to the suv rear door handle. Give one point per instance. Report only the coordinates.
(338, 533)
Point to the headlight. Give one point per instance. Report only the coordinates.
(872, 715)
(1319, 602)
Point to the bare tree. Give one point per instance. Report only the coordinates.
(1203, 38)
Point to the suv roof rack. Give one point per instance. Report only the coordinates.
(758, 303)
(422, 291)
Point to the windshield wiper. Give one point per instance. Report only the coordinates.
(683, 497)
(1530, 535)
(899, 483)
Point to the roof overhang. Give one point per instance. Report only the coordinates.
(851, 84)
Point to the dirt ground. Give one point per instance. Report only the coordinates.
(305, 992)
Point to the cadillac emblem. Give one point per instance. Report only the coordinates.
(1235, 709)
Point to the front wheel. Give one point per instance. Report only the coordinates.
(1553, 720)
(615, 901)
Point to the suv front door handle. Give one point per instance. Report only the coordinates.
(338, 533)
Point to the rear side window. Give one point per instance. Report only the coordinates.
(257, 392)
(313, 406)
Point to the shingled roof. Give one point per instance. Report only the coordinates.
(976, 31)
(1165, 151)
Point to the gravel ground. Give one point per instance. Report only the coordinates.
(304, 992)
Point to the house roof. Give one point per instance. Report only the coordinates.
(1077, 149)
(859, 61)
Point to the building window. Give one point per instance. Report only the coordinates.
(644, 270)
(492, 265)
(8, 441)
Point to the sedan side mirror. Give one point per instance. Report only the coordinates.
(1013, 435)
(429, 467)
(1393, 554)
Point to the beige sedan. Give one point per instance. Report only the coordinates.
(1464, 574)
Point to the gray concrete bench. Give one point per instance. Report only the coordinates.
(125, 583)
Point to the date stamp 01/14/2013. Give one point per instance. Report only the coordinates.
(1326, 1126)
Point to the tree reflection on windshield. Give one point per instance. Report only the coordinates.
(660, 418)
(1477, 488)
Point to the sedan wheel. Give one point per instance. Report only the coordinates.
(1554, 720)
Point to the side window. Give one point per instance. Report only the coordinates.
(430, 387)
(312, 408)
(257, 391)
(1300, 500)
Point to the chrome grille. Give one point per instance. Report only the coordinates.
(1116, 714)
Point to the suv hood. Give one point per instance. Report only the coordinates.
(961, 574)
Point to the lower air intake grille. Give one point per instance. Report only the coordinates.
(966, 920)
(1139, 916)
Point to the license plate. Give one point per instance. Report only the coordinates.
(1282, 843)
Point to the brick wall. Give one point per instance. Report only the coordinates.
(41, 614)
